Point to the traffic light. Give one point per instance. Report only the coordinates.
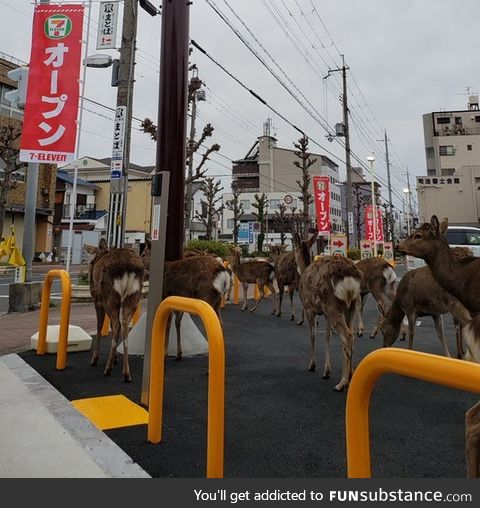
(18, 97)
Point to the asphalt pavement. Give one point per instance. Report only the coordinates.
(281, 420)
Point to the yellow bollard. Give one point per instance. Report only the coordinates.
(216, 377)
(256, 292)
(435, 369)
(236, 285)
(64, 316)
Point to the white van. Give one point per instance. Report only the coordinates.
(456, 236)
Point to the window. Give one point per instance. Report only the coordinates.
(429, 152)
(230, 223)
(447, 150)
(473, 238)
(448, 171)
(443, 119)
(431, 172)
(456, 237)
(469, 147)
(458, 120)
(245, 203)
(273, 205)
(477, 118)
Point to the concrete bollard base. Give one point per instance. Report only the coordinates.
(24, 296)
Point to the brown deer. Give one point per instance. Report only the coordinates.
(419, 294)
(202, 277)
(329, 286)
(460, 276)
(253, 272)
(116, 277)
(379, 280)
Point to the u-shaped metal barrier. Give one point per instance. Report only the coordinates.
(435, 369)
(216, 377)
(64, 316)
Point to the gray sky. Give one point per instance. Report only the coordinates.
(406, 58)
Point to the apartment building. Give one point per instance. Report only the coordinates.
(452, 150)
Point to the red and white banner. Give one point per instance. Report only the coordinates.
(369, 224)
(321, 192)
(50, 123)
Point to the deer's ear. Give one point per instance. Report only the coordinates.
(296, 239)
(444, 226)
(312, 240)
(102, 244)
(435, 225)
(90, 249)
(148, 243)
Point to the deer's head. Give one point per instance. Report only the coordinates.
(426, 240)
(389, 332)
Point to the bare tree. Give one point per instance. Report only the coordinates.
(236, 207)
(306, 196)
(282, 222)
(9, 136)
(359, 203)
(388, 221)
(210, 208)
(261, 205)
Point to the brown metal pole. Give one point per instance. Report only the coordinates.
(172, 117)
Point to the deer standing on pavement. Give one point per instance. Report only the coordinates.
(460, 276)
(116, 277)
(253, 272)
(203, 277)
(329, 286)
(419, 294)
(379, 280)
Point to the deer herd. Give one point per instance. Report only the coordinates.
(335, 287)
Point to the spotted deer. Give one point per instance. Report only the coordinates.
(329, 286)
(116, 278)
(253, 272)
(460, 276)
(379, 280)
(201, 276)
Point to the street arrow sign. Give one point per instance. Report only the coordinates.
(337, 243)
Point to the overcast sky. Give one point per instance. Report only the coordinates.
(406, 58)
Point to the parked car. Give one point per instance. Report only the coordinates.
(457, 236)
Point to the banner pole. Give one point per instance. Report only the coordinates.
(73, 200)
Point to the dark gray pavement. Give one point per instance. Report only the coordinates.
(281, 420)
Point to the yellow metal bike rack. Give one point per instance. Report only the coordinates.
(64, 316)
(435, 369)
(216, 377)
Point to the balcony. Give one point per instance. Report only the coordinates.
(83, 212)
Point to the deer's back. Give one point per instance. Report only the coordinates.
(373, 272)
(286, 269)
(250, 271)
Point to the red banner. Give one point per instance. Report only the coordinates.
(369, 224)
(321, 189)
(50, 122)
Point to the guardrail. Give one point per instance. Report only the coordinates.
(64, 316)
(216, 377)
(435, 369)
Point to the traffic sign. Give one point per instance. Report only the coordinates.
(366, 249)
(338, 245)
(388, 252)
(288, 199)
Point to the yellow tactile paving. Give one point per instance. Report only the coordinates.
(111, 412)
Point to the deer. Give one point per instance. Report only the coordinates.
(116, 278)
(261, 273)
(330, 286)
(460, 276)
(202, 277)
(379, 280)
(419, 294)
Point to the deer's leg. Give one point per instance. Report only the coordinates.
(291, 291)
(381, 306)
(472, 441)
(261, 289)
(328, 367)
(245, 290)
(271, 287)
(459, 339)
(100, 311)
(441, 333)
(347, 341)
(302, 318)
(412, 321)
(359, 311)
(114, 314)
(461, 317)
(404, 328)
(311, 330)
(281, 289)
(178, 323)
(128, 310)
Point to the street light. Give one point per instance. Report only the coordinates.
(371, 159)
(406, 191)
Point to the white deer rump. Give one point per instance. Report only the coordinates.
(127, 285)
(347, 289)
(222, 282)
(390, 275)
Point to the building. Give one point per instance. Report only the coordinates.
(452, 150)
(270, 169)
(15, 198)
(361, 197)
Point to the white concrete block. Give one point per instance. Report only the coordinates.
(78, 339)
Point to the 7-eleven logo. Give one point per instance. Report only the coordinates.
(57, 26)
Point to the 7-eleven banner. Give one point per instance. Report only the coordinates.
(50, 122)
(321, 190)
(369, 224)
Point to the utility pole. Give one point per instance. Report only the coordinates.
(346, 132)
(119, 180)
(390, 202)
(409, 201)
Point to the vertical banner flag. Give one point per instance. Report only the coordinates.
(369, 224)
(50, 123)
(118, 142)
(107, 25)
(321, 189)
